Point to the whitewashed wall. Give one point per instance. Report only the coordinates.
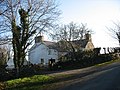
(42, 52)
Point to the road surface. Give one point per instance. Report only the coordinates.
(106, 79)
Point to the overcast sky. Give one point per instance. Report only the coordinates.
(96, 13)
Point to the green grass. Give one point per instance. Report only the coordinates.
(36, 82)
(28, 81)
(109, 62)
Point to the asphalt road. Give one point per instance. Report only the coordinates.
(106, 79)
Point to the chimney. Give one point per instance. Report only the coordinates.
(88, 37)
(38, 39)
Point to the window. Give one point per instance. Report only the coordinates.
(49, 52)
(42, 61)
(55, 52)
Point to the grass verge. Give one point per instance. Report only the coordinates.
(107, 63)
(28, 81)
(41, 82)
(36, 82)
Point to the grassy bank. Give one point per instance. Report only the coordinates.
(41, 82)
(107, 63)
(36, 82)
(27, 82)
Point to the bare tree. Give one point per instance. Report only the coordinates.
(70, 32)
(22, 20)
(115, 31)
(68, 35)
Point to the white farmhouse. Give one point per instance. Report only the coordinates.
(42, 52)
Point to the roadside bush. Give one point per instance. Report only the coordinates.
(4, 74)
(85, 59)
(27, 71)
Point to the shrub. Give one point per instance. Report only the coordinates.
(84, 59)
(27, 71)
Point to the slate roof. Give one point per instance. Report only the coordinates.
(50, 44)
(80, 43)
(47, 43)
(53, 45)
